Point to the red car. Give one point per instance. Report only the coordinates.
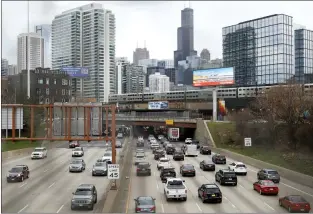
(266, 187)
(73, 144)
(295, 203)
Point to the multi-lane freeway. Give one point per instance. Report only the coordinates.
(239, 199)
(50, 185)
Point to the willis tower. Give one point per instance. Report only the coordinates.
(185, 37)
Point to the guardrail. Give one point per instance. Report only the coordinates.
(181, 119)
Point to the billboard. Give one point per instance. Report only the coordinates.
(158, 105)
(213, 77)
(76, 72)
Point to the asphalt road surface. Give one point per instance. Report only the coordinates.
(50, 185)
(239, 199)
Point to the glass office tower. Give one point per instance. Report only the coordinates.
(304, 56)
(260, 50)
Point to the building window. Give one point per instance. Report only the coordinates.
(63, 100)
(55, 81)
(40, 81)
(38, 91)
(47, 101)
(47, 81)
(64, 82)
(47, 91)
(63, 91)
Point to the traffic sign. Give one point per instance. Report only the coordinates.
(113, 171)
(248, 141)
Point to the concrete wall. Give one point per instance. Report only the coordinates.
(202, 133)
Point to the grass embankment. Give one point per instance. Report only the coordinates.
(290, 160)
(9, 145)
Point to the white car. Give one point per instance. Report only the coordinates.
(78, 152)
(238, 168)
(39, 153)
(154, 145)
(163, 162)
(175, 188)
(153, 140)
(188, 140)
(107, 156)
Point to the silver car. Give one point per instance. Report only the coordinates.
(100, 168)
(85, 196)
(118, 144)
(77, 165)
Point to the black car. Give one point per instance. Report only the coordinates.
(18, 173)
(159, 154)
(206, 165)
(210, 192)
(167, 172)
(170, 150)
(178, 155)
(226, 176)
(219, 159)
(205, 150)
(143, 168)
(187, 170)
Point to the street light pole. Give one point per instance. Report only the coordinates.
(28, 53)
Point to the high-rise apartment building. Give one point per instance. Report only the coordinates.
(159, 83)
(148, 62)
(139, 54)
(4, 67)
(45, 32)
(260, 50)
(35, 50)
(12, 70)
(205, 56)
(134, 79)
(304, 55)
(85, 37)
(185, 37)
(121, 63)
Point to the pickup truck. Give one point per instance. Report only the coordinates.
(175, 189)
(163, 162)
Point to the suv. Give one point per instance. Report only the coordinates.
(85, 196)
(159, 154)
(78, 152)
(210, 192)
(18, 173)
(226, 176)
(268, 174)
(205, 150)
(39, 153)
(219, 159)
(178, 155)
(143, 168)
(167, 172)
(170, 149)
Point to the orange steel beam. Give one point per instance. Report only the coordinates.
(107, 123)
(70, 123)
(13, 122)
(100, 122)
(32, 122)
(50, 121)
(57, 139)
(113, 134)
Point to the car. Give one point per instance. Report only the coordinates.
(143, 168)
(73, 144)
(118, 144)
(140, 157)
(170, 149)
(159, 153)
(178, 155)
(167, 172)
(100, 160)
(188, 140)
(207, 165)
(219, 159)
(100, 168)
(295, 203)
(268, 174)
(175, 188)
(205, 150)
(85, 196)
(165, 144)
(196, 142)
(266, 187)
(39, 153)
(78, 152)
(145, 204)
(77, 165)
(154, 145)
(107, 156)
(18, 173)
(187, 170)
(119, 136)
(163, 140)
(226, 176)
(163, 162)
(210, 192)
(140, 143)
(160, 137)
(140, 150)
(238, 167)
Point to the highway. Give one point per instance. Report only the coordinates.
(239, 199)
(50, 186)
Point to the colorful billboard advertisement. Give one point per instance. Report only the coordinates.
(213, 77)
(158, 105)
(222, 107)
(76, 72)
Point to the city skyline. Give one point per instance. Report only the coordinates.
(208, 31)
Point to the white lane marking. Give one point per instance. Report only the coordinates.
(241, 186)
(60, 208)
(157, 186)
(252, 170)
(21, 210)
(162, 207)
(269, 206)
(296, 189)
(230, 202)
(154, 173)
(22, 185)
(51, 185)
(199, 207)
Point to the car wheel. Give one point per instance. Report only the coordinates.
(72, 208)
(260, 192)
(199, 196)
(216, 179)
(185, 199)
(91, 207)
(22, 178)
(220, 201)
(27, 176)
(245, 174)
(96, 200)
(280, 203)
(289, 210)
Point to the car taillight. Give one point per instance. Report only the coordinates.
(138, 209)
(137, 169)
(152, 209)
(203, 194)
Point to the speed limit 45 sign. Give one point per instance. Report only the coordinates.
(113, 171)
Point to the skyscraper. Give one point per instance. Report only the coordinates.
(85, 36)
(36, 51)
(121, 63)
(185, 43)
(45, 32)
(4, 67)
(139, 54)
(205, 56)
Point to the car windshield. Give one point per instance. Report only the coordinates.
(164, 160)
(240, 166)
(140, 156)
(83, 192)
(188, 167)
(175, 184)
(220, 156)
(272, 172)
(229, 174)
(16, 169)
(212, 190)
(100, 164)
(76, 162)
(297, 199)
(143, 165)
(77, 149)
(107, 154)
(145, 201)
(38, 150)
(267, 183)
(179, 153)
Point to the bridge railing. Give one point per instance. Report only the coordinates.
(142, 118)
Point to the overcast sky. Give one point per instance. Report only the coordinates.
(153, 22)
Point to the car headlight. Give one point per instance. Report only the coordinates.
(18, 175)
(73, 200)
